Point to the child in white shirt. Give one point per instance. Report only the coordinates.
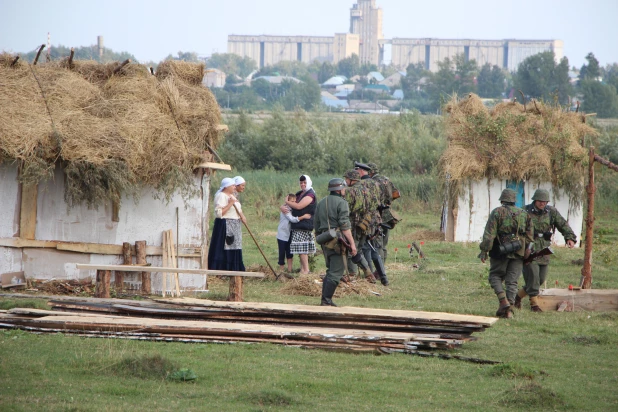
(283, 233)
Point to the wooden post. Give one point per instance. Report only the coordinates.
(127, 259)
(586, 281)
(102, 284)
(27, 217)
(235, 289)
(205, 222)
(140, 259)
(38, 54)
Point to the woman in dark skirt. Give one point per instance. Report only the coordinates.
(225, 251)
(302, 240)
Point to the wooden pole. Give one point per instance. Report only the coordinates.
(235, 289)
(38, 54)
(258, 246)
(586, 281)
(14, 62)
(165, 263)
(121, 65)
(71, 57)
(140, 259)
(205, 189)
(127, 259)
(102, 283)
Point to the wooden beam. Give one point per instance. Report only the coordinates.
(20, 243)
(27, 217)
(594, 300)
(586, 280)
(155, 269)
(212, 165)
(140, 259)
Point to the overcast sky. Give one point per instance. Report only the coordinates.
(153, 29)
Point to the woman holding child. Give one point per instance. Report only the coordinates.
(302, 241)
(225, 251)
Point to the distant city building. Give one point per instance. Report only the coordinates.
(214, 78)
(367, 41)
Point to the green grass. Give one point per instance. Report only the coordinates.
(552, 361)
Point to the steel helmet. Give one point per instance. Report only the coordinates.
(541, 194)
(336, 184)
(508, 195)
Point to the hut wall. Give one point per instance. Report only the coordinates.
(145, 220)
(479, 198)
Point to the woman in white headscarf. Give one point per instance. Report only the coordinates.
(240, 184)
(225, 251)
(302, 241)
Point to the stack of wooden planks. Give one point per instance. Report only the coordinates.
(197, 320)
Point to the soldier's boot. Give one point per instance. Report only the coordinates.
(328, 290)
(504, 310)
(380, 272)
(369, 276)
(534, 304)
(521, 293)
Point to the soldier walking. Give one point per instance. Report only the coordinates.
(545, 220)
(359, 201)
(333, 212)
(508, 238)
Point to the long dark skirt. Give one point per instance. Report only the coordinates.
(220, 258)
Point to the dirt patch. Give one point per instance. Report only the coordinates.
(428, 235)
(311, 285)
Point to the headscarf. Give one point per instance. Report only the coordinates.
(226, 182)
(308, 180)
(238, 180)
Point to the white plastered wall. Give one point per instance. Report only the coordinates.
(145, 220)
(479, 198)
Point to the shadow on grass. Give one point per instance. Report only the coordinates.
(23, 303)
(531, 396)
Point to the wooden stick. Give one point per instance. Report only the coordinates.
(165, 263)
(140, 253)
(586, 279)
(14, 62)
(257, 244)
(71, 57)
(173, 262)
(124, 63)
(38, 54)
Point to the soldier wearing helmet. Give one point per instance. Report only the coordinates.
(333, 212)
(508, 237)
(545, 220)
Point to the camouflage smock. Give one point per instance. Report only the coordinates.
(503, 221)
(386, 189)
(355, 196)
(373, 194)
(545, 221)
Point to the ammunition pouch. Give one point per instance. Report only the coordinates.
(396, 194)
(390, 217)
(365, 222)
(545, 235)
(510, 247)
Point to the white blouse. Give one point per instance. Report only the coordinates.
(221, 200)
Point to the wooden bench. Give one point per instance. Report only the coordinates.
(104, 276)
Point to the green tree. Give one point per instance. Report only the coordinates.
(592, 70)
(610, 74)
(186, 56)
(327, 71)
(81, 53)
(285, 68)
(539, 77)
(599, 98)
(232, 64)
(491, 81)
(349, 67)
(453, 76)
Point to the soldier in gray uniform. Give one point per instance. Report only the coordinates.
(545, 220)
(508, 238)
(332, 212)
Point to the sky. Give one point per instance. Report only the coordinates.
(153, 29)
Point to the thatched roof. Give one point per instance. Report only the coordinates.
(540, 141)
(112, 132)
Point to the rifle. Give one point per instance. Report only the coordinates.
(543, 252)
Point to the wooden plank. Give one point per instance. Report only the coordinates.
(103, 283)
(594, 300)
(140, 258)
(20, 243)
(168, 270)
(211, 165)
(27, 217)
(336, 311)
(95, 248)
(235, 294)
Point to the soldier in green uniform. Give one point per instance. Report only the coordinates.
(545, 220)
(508, 238)
(388, 193)
(332, 212)
(359, 201)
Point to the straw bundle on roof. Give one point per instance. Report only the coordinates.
(112, 130)
(539, 142)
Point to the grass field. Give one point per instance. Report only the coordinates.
(551, 361)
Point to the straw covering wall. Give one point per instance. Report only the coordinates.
(112, 131)
(513, 142)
